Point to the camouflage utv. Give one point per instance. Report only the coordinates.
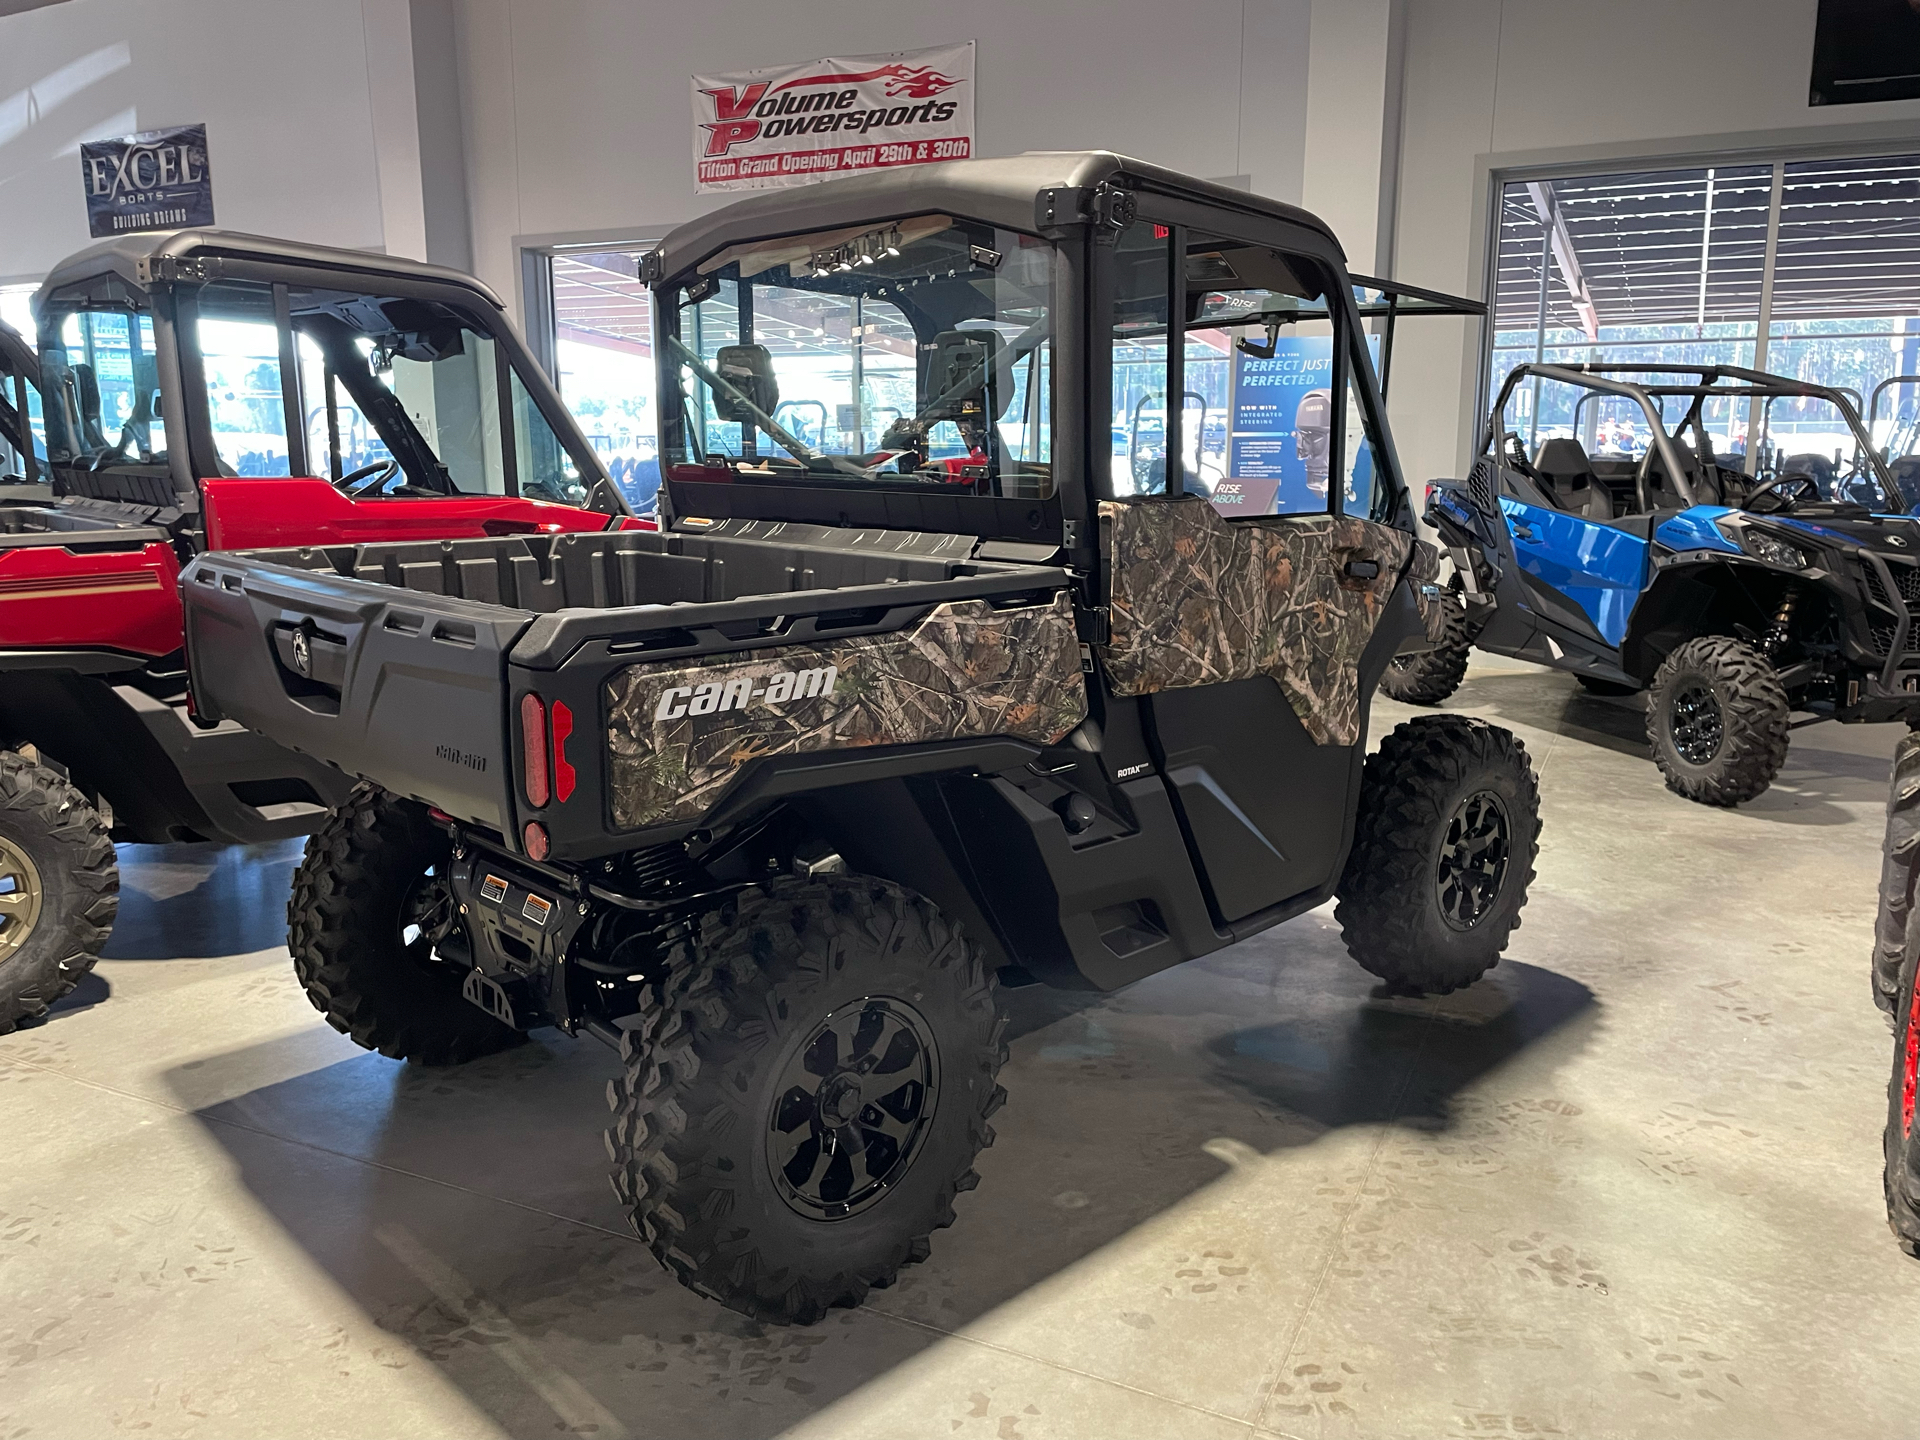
(948, 696)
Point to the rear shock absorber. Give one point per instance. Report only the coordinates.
(1780, 631)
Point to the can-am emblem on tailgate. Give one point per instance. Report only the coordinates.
(302, 653)
(741, 692)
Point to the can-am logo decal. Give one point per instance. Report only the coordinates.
(744, 690)
(788, 124)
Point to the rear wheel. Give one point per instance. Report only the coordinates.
(369, 899)
(1443, 852)
(59, 888)
(1903, 1130)
(1717, 721)
(1431, 676)
(806, 1094)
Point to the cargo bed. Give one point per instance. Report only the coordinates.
(407, 664)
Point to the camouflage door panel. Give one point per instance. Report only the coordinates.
(680, 731)
(1197, 600)
(1432, 603)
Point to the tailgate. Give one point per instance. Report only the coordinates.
(394, 686)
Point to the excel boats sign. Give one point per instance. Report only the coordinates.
(156, 180)
(762, 129)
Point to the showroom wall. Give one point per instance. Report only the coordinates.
(309, 111)
(578, 116)
(1497, 83)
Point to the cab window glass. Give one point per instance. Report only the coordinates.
(99, 381)
(1142, 259)
(917, 353)
(1261, 382)
(240, 358)
(399, 397)
(1360, 455)
(546, 470)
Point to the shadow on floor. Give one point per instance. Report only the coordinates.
(184, 901)
(92, 989)
(480, 1227)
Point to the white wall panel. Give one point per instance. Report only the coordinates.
(578, 116)
(283, 89)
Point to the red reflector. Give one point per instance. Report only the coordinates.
(535, 838)
(533, 749)
(562, 771)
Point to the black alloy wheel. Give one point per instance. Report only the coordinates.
(1473, 860)
(852, 1107)
(1718, 720)
(1694, 719)
(805, 1092)
(1443, 849)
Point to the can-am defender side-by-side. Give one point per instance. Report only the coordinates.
(1621, 545)
(203, 390)
(773, 799)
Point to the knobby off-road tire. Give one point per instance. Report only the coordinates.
(1899, 872)
(1717, 721)
(1903, 1111)
(361, 890)
(1431, 676)
(729, 1080)
(1443, 852)
(59, 888)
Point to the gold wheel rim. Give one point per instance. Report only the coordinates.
(20, 897)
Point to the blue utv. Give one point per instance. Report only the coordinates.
(1618, 525)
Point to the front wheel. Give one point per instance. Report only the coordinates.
(369, 900)
(59, 888)
(806, 1094)
(1717, 721)
(1443, 853)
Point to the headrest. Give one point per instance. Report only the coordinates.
(1563, 459)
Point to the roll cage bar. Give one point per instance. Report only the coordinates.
(1754, 385)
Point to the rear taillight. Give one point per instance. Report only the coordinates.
(533, 749)
(534, 838)
(562, 772)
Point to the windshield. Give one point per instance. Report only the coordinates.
(919, 353)
(1813, 436)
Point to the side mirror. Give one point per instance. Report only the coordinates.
(963, 377)
(749, 370)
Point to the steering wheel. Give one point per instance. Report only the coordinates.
(1786, 492)
(387, 469)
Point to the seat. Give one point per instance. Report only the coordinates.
(1564, 465)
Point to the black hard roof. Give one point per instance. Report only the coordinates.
(129, 257)
(1002, 192)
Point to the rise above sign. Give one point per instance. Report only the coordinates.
(155, 180)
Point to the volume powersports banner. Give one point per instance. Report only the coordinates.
(156, 180)
(764, 129)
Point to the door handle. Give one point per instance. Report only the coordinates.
(1524, 531)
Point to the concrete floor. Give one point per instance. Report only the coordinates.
(1629, 1185)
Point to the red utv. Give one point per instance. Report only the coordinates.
(198, 391)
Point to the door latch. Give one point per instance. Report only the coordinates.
(1363, 569)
